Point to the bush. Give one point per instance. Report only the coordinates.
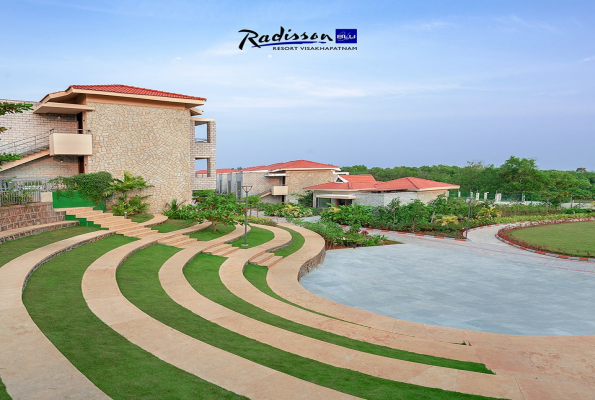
(334, 235)
(286, 210)
(96, 187)
(261, 221)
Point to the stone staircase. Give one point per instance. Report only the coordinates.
(221, 249)
(126, 227)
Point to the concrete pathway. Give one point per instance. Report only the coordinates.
(30, 366)
(224, 369)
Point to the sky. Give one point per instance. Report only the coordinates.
(431, 82)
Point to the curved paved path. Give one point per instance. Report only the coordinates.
(30, 366)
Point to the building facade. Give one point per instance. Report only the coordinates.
(275, 183)
(367, 191)
(117, 129)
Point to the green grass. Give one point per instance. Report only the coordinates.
(173, 225)
(297, 241)
(15, 248)
(139, 282)
(256, 237)
(122, 370)
(575, 239)
(139, 218)
(3, 393)
(207, 234)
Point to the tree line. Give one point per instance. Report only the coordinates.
(515, 176)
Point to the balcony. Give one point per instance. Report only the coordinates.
(280, 191)
(63, 144)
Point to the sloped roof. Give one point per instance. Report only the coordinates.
(409, 184)
(358, 178)
(297, 164)
(125, 89)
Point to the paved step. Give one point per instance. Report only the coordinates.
(74, 210)
(170, 241)
(213, 247)
(185, 243)
(261, 258)
(222, 250)
(137, 230)
(271, 261)
(89, 213)
(97, 217)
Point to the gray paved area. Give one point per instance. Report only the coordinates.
(481, 285)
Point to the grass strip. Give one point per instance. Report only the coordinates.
(207, 234)
(139, 282)
(16, 248)
(204, 277)
(173, 225)
(3, 393)
(121, 369)
(256, 237)
(139, 218)
(297, 241)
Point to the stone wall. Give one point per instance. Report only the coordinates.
(153, 142)
(27, 124)
(297, 180)
(430, 195)
(206, 150)
(21, 216)
(260, 183)
(44, 166)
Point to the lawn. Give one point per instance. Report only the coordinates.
(3, 394)
(256, 237)
(207, 234)
(297, 241)
(121, 369)
(573, 238)
(139, 282)
(15, 248)
(173, 225)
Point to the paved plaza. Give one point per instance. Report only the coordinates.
(482, 285)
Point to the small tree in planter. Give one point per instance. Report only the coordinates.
(219, 209)
(12, 108)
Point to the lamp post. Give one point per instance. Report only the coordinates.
(468, 217)
(246, 189)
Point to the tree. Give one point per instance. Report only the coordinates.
(219, 208)
(522, 175)
(254, 202)
(11, 108)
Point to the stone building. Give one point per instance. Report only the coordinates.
(114, 128)
(275, 183)
(367, 191)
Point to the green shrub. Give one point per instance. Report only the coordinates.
(261, 221)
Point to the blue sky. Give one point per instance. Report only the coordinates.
(431, 82)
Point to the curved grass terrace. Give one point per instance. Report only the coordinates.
(138, 280)
(122, 370)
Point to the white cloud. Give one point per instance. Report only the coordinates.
(429, 26)
(176, 60)
(588, 59)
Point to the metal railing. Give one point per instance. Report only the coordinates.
(30, 145)
(19, 196)
(43, 184)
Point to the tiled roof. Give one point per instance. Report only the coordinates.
(409, 183)
(125, 89)
(297, 164)
(359, 178)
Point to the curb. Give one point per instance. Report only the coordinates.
(543, 253)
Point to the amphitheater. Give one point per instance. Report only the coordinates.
(129, 312)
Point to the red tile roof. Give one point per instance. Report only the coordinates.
(409, 183)
(219, 171)
(125, 89)
(297, 164)
(358, 178)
